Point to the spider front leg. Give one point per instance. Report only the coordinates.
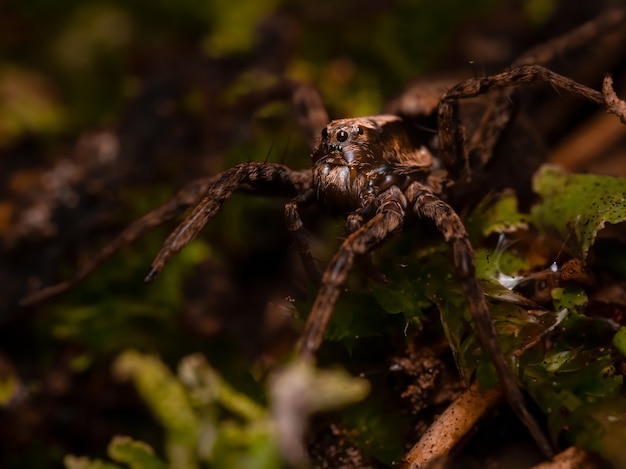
(353, 222)
(310, 115)
(264, 178)
(188, 196)
(427, 205)
(388, 220)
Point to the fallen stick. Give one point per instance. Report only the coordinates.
(450, 427)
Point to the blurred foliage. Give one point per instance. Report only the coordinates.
(80, 60)
(136, 454)
(134, 324)
(208, 421)
(27, 104)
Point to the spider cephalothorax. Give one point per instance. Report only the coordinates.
(357, 159)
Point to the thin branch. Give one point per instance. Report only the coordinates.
(451, 426)
(571, 458)
(614, 104)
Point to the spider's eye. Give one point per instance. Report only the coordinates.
(359, 130)
(324, 132)
(342, 135)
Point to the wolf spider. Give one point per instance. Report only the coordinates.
(377, 171)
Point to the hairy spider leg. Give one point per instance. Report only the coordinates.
(452, 139)
(387, 220)
(311, 116)
(295, 225)
(427, 205)
(264, 178)
(354, 221)
(499, 110)
(186, 197)
(275, 179)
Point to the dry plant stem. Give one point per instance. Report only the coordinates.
(593, 138)
(571, 458)
(451, 426)
(614, 104)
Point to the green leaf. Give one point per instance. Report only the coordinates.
(234, 25)
(500, 265)
(496, 214)
(167, 399)
(601, 427)
(355, 316)
(137, 454)
(75, 462)
(619, 340)
(574, 376)
(571, 297)
(206, 386)
(577, 206)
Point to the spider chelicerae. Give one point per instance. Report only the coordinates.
(377, 171)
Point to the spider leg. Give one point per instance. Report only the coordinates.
(306, 104)
(295, 225)
(451, 132)
(275, 179)
(499, 111)
(427, 205)
(353, 222)
(309, 111)
(189, 195)
(387, 220)
(311, 116)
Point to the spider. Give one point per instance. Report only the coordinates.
(377, 172)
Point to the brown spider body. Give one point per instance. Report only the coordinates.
(358, 159)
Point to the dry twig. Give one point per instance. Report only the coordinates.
(451, 426)
(614, 104)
